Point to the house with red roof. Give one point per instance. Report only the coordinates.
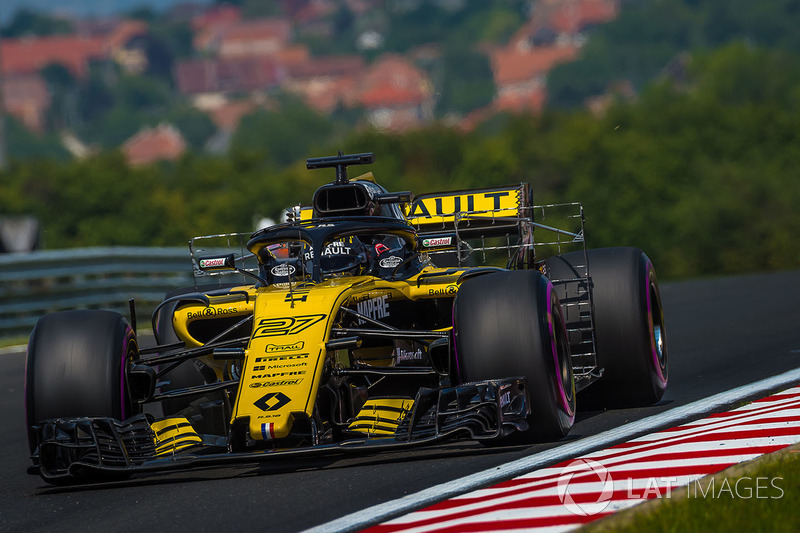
(208, 25)
(26, 98)
(227, 37)
(227, 115)
(521, 75)
(216, 16)
(197, 77)
(552, 37)
(396, 94)
(28, 55)
(325, 83)
(162, 143)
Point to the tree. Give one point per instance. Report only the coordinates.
(467, 82)
(284, 136)
(29, 22)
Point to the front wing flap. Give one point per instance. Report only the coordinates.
(70, 447)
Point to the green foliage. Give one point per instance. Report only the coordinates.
(30, 22)
(647, 35)
(466, 82)
(175, 35)
(432, 22)
(22, 144)
(283, 136)
(194, 125)
(703, 174)
(120, 110)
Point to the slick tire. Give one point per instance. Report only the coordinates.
(510, 324)
(630, 336)
(77, 366)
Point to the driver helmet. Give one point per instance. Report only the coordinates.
(344, 257)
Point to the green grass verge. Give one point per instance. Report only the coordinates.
(6, 342)
(717, 503)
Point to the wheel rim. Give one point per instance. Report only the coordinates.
(658, 337)
(562, 361)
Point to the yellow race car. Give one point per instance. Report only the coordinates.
(369, 321)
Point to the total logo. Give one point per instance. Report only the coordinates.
(582, 471)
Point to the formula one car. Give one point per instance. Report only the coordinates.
(369, 321)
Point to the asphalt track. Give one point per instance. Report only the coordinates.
(722, 333)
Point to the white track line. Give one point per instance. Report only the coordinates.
(8, 350)
(381, 512)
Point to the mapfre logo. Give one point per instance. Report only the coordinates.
(585, 487)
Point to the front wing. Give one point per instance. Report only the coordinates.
(72, 447)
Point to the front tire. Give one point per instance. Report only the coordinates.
(77, 367)
(630, 337)
(510, 324)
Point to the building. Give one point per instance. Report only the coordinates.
(162, 143)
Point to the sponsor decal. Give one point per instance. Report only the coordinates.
(450, 290)
(283, 270)
(277, 374)
(410, 355)
(390, 262)
(213, 262)
(337, 249)
(281, 358)
(296, 296)
(440, 241)
(380, 248)
(334, 248)
(212, 312)
(374, 308)
(286, 365)
(449, 204)
(282, 383)
(287, 325)
(272, 401)
(272, 348)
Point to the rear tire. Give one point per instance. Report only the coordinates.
(77, 367)
(630, 336)
(510, 324)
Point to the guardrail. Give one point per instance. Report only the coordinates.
(36, 283)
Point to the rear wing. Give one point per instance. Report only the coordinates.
(495, 224)
(489, 212)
